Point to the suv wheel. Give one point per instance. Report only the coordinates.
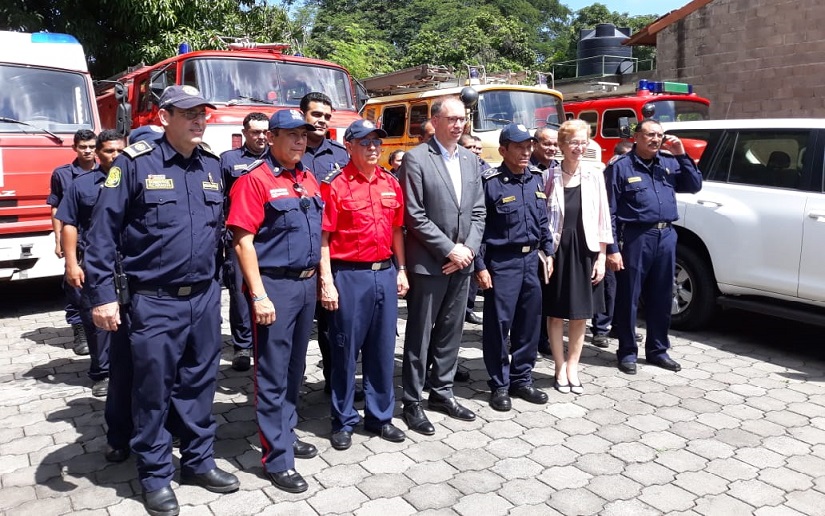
(694, 291)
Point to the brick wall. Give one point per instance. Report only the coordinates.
(751, 58)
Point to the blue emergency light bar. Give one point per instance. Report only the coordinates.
(665, 87)
(53, 37)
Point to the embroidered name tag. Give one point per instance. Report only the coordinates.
(541, 195)
(208, 185)
(278, 192)
(240, 166)
(159, 183)
(634, 179)
(508, 199)
(387, 194)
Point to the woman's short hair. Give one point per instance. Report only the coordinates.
(571, 127)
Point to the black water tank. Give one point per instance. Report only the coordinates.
(605, 40)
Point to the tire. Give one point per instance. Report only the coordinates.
(694, 294)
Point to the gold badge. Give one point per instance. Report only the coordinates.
(113, 179)
(154, 183)
(541, 195)
(508, 199)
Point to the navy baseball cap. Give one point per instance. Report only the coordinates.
(362, 128)
(183, 97)
(289, 119)
(146, 133)
(515, 133)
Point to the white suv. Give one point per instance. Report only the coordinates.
(754, 236)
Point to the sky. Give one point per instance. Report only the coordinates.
(633, 7)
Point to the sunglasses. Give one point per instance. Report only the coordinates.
(300, 190)
(367, 142)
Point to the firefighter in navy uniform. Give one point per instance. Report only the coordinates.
(516, 229)
(275, 218)
(234, 163)
(161, 207)
(641, 187)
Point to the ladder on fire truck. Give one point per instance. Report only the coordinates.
(434, 77)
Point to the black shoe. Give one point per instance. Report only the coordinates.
(544, 349)
(341, 440)
(116, 454)
(472, 318)
(600, 340)
(500, 400)
(461, 375)
(303, 450)
(416, 420)
(530, 394)
(450, 407)
(242, 360)
(81, 345)
(627, 367)
(161, 502)
(359, 393)
(215, 480)
(290, 481)
(100, 388)
(665, 362)
(388, 432)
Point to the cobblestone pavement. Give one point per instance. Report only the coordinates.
(740, 430)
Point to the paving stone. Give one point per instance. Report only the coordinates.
(432, 496)
(786, 446)
(470, 482)
(576, 501)
(521, 467)
(627, 507)
(509, 448)
(806, 502)
(756, 493)
(384, 506)
(553, 456)
(463, 460)
(525, 492)
(341, 475)
(701, 483)
(482, 503)
(468, 439)
(619, 433)
(431, 472)
(11, 497)
(296, 508)
(48, 506)
(536, 437)
(808, 464)
(760, 457)
(10, 463)
(809, 434)
(337, 499)
(739, 438)
(649, 473)
(614, 487)
(633, 452)
(565, 477)
(385, 485)
(533, 510)
(785, 479)
(599, 464)
(776, 511)
(732, 469)
(715, 505)
(667, 498)
(576, 426)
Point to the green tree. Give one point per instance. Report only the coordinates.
(362, 55)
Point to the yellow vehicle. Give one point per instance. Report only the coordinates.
(401, 103)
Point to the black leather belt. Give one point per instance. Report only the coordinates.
(361, 266)
(649, 225)
(522, 249)
(169, 290)
(661, 225)
(285, 272)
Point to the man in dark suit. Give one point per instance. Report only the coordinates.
(444, 216)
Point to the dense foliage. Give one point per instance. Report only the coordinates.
(366, 36)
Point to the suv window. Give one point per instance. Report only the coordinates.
(700, 145)
(766, 158)
(610, 121)
(592, 118)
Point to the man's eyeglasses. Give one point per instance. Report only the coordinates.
(319, 114)
(452, 120)
(577, 143)
(300, 190)
(194, 114)
(366, 142)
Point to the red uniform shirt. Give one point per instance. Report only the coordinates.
(360, 215)
(286, 221)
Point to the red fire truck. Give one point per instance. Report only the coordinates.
(46, 96)
(247, 77)
(610, 112)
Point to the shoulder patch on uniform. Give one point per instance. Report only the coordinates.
(332, 174)
(252, 166)
(534, 169)
(207, 149)
(113, 179)
(138, 149)
(490, 173)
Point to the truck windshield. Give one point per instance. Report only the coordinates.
(497, 108)
(680, 111)
(251, 81)
(56, 101)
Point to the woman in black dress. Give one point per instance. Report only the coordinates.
(580, 222)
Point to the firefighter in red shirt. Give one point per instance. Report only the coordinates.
(361, 233)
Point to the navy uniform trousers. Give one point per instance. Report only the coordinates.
(118, 412)
(240, 322)
(365, 322)
(98, 350)
(511, 308)
(602, 321)
(649, 257)
(280, 356)
(176, 343)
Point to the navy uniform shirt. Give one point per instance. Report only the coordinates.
(166, 212)
(516, 212)
(321, 160)
(62, 177)
(76, 207)
(644, 193)
(234, 163)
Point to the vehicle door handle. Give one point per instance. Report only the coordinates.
(817, 215)
(709, 204)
